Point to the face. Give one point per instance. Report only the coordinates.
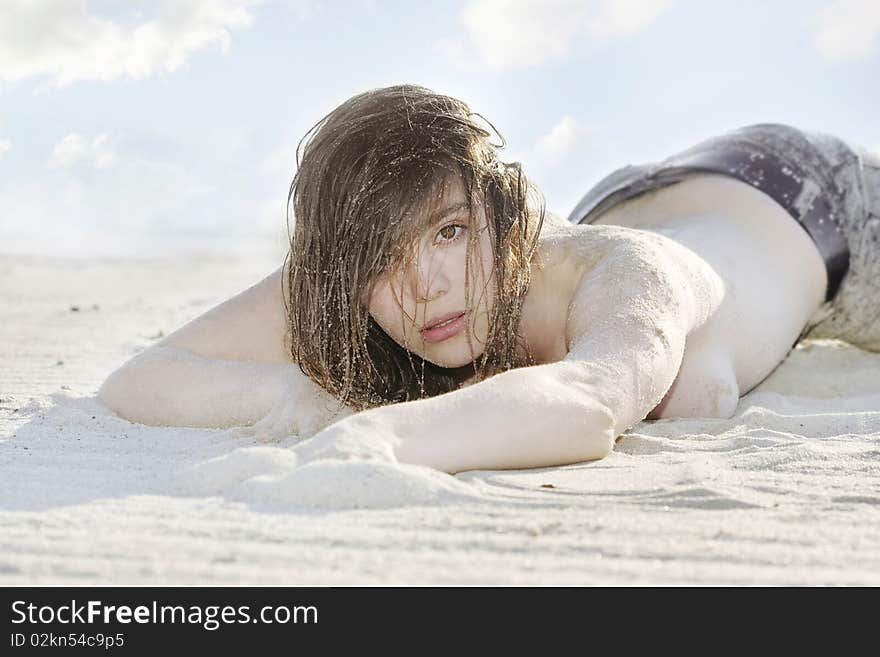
(424, 305)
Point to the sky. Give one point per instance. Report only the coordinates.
(143, 129)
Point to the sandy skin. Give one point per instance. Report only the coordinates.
(664, 310)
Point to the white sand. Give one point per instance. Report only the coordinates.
(786, 492)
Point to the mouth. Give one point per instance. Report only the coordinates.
(443, 327)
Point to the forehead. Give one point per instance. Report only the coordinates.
(451, 197)
(453, 189)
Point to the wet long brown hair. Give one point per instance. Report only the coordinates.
(369, 175)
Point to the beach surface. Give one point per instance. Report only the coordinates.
(787, 492)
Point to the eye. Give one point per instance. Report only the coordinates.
(449, 233)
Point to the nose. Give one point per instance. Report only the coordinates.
(427, 278)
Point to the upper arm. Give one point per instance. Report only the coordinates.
(249, 326)
(228, 366)
(630, 318)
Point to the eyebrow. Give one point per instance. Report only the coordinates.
(439, 215)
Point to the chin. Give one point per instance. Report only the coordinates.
(448, 364)
(452, 361)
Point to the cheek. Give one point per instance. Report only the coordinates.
(385, 310)
(484, 269)
(378, 307)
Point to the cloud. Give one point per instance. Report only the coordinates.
(513, 34)
(74, 149)
(554, 147)
(5, 145)
(62, 41)
(566, 159)
(561, 140)
(137, 206)
(847, 29)
(109, 193)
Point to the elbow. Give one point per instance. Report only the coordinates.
(118, 394)
(139, 391)
(581, 419)
(601, 446)
(590, 435)
(599, 442)
(584, 446)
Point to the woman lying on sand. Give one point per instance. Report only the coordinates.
(431, 307)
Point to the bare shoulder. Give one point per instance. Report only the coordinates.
(634, 277)
(250, 326)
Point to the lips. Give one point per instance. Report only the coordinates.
(443, 327)
(440, 319)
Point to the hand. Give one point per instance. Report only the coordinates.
(302, 409)
(355, 437)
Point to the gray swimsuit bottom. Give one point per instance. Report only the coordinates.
(829, 188)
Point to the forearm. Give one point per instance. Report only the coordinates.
(524, 418)
(564, 412)
(171, 386)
